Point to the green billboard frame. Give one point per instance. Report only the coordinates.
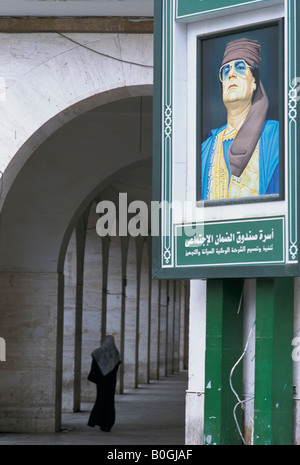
(187, 9)
(173, 255)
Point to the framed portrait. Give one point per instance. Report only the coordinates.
(228, 89)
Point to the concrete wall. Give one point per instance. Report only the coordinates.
(30, 377)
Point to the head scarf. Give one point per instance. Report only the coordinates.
(248, 135)
(107, 356)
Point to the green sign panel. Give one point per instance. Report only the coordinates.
(187, 8)
(232, 242)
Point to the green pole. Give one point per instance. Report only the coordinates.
(273, 405)
(224, 346)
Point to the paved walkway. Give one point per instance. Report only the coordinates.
(153, 414)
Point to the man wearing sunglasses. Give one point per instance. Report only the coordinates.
(241, 159)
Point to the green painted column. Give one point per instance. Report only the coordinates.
(224, 346)
(273, 405)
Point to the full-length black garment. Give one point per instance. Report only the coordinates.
(105, 364)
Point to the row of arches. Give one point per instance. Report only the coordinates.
(109, 290)
(73, 121)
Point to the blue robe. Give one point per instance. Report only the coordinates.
(268, 158)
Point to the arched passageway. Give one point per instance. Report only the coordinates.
(148, 323)
(65, 286)
(76, 130)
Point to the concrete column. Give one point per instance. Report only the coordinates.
(176, 328)
(163, 328)
(92, 299)
(249, 359)
(124, 252)
(170, 326)
(196, 371)
(69, 325)
(114, 294)
(129, 358)
(30, 379)
(149, 263)
(80, 246)
(137, 310)
(154, 331)
(114, 291)
(143, 333)
(184, 324)
(105, 258)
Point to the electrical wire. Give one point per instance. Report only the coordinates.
(103, 54)
(241, 300)
(239, 401)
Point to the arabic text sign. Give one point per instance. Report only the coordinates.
(231, 243)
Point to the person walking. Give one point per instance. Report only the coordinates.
(105, 363)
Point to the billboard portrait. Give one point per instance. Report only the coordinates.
(240, 124)
(226, 139)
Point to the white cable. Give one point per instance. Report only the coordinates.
(240, 402)
(235, 419)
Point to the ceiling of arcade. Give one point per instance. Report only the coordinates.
(108, 148)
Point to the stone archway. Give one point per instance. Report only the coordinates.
(46, 187)
(51, 80)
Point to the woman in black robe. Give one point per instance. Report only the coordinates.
(105, 364)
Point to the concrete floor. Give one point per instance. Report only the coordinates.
(153, 414)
